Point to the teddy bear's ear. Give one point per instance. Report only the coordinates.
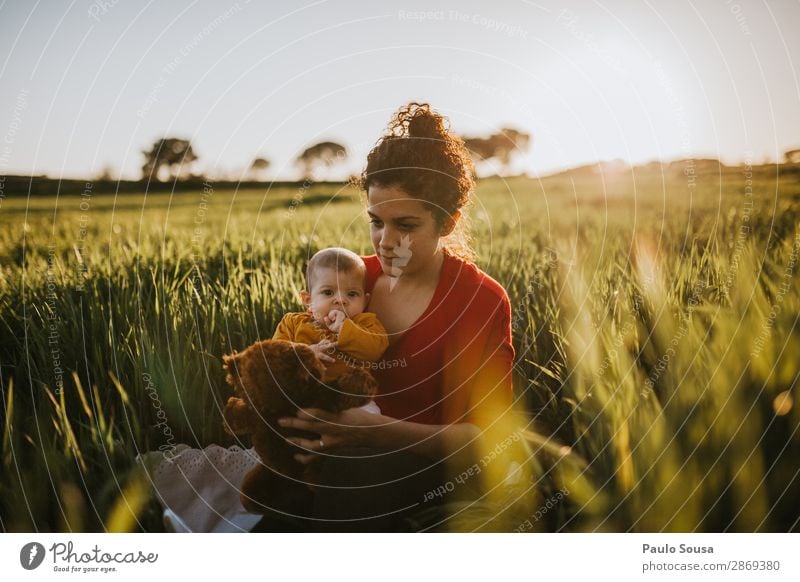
(230, 364)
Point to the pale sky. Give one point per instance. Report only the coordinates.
(88, 84)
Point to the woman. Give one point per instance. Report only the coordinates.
(445, 381)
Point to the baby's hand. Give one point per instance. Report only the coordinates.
(334, 320)
(322, 350)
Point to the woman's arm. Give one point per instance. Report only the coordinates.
(484, 396)
(433, 441)
(360, 428)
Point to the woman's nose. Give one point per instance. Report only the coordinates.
(388, 240)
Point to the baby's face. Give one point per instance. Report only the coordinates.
(332, 289)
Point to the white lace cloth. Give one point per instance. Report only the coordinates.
(199, 489)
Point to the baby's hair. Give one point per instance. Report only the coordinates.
(343, 260)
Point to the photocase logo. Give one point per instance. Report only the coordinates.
(31, 555)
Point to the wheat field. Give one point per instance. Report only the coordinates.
(655, 319)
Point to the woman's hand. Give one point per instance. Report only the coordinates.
(351, 427)
(357, 427)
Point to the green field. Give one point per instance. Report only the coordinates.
(655, 323)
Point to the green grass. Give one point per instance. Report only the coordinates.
(655, 338)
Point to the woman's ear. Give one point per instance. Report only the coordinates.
(450, 223)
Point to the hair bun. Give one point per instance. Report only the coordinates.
(426, 124)
(417, 120)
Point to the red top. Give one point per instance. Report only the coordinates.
(454, 363)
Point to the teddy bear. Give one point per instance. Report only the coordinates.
(273, 379)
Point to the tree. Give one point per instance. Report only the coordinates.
(501, 146)
(174, 154)
(792, 156)
(106, 174)
(257, 167)
(325, 154)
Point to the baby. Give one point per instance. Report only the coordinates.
(335, 322)
(200, 488)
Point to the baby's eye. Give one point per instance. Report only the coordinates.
(354, 294)
(327, 292)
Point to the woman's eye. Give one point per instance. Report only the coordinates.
(407, 227)
(375, 222)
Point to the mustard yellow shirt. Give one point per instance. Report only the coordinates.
(361, 339)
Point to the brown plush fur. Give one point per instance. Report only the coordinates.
(272, 379)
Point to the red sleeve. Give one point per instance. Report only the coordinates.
(491, 391)
(479, 379)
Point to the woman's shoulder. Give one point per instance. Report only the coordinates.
(464, 278)
(467, 275)
(477, 302)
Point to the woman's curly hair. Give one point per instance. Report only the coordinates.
(419, 155)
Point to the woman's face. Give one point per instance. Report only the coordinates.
(404, 233)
